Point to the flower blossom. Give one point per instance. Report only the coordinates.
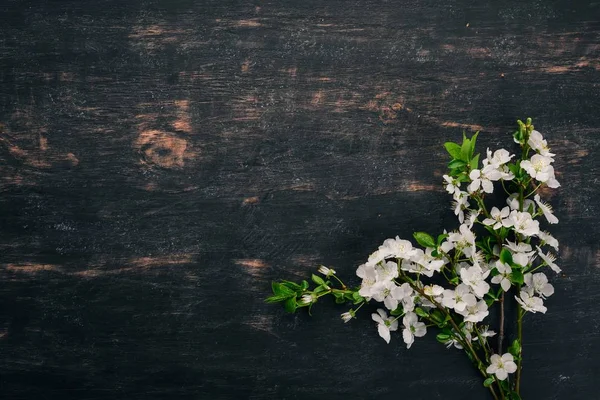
(529, 302)
(474, 277)
(475, 313)
(521, 253)
(539, 167)
(548, 239)
(499, 158)
(385, 324)
(483, 178)
(460, 203)
(452, 185)
(503, 277)
(546, 210)
(539, 283)
(347, 316)
(412, 328)
(549, 259)
(397, 248)
(369, 278)
(513, 203)
(524, 224)
(459, 298)
(498, 218)
(501, 366)
(539, 144)
(326, 271)
(463, 240)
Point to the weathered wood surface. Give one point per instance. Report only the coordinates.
(162, 161)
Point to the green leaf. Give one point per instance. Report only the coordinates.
(473, 141)
(515, 348)
(424, 239)
(281, 290)
(357, 298)
(465, 150)
(506, 256)
(396, 312)
(441, 238)
(515, 396)
(453, 149)
(291, 305)
(518, 136)
(456, 164)
(442, 337)
(421, 313)
(291, 285)
(475, 162)
(488, 382)
(437, 316)
(320, 289)
(304, 285)
(516, 276)
(276, 299)
(318, 280)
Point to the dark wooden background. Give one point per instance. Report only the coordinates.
(162, 161)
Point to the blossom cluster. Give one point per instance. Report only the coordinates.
(464, 272)
(495, 255)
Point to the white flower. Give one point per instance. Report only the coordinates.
(500, 157)
(459, 298)
(523, 223)
(546, 210)
(537, 143)
(415, 267)
(471, 218)
(369, 278)
(460, 203)
(483, 178)
(549, 259)
(548, 239)
(539, 283)
(501, 366)
(433, 290)
(428, 261)
(464, 240)
(347, 316)
(382, 291)
(474, 277)
(326, 271)
(452, 185)
(513, 203)
(403, 292)
(385, 324)
(486, 332)
(552, 182)
(503, 277)
(397, 248)
(539, 167)
(376, 257)
(412, 328)
(529, 302)
(475, 313)
(499, 218)
(306, 299)
(521, 253)
(387, 271)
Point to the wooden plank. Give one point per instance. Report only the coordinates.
(162, 161)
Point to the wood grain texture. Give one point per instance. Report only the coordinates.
(162, 161)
